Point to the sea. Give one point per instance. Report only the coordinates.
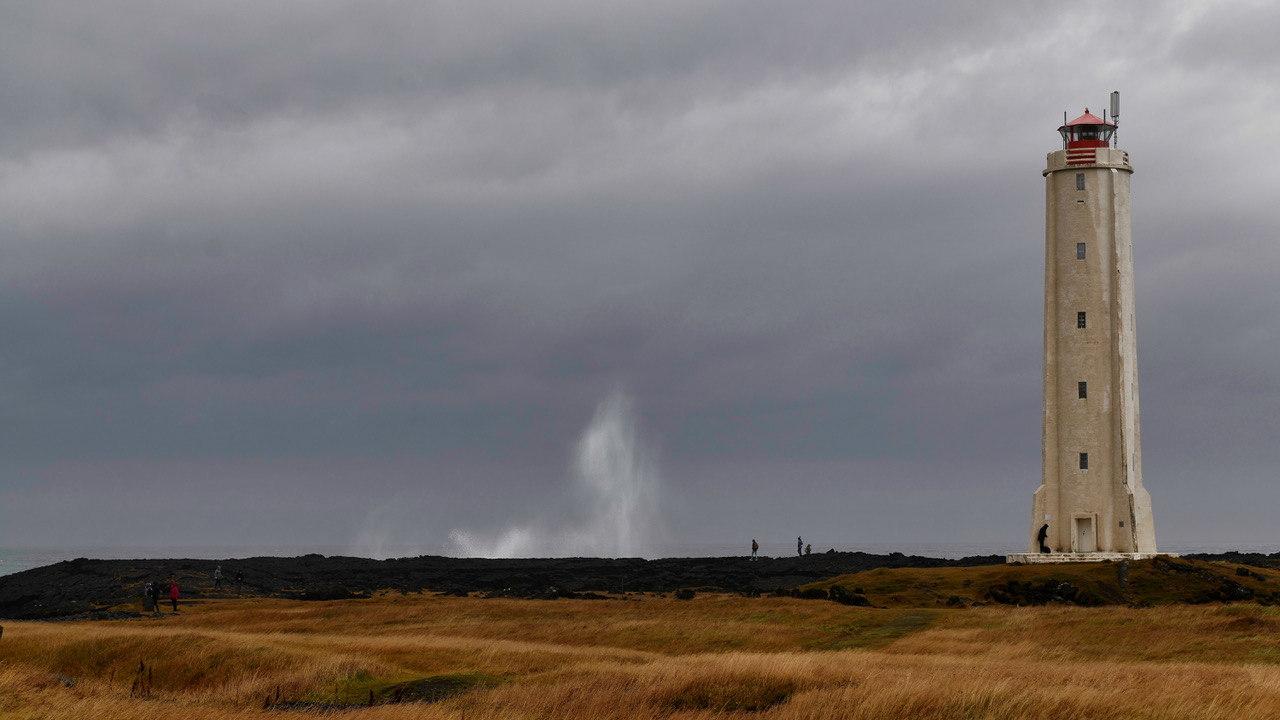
(13, 560)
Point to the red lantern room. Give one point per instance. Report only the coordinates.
(1087, 131)
(1082, 135)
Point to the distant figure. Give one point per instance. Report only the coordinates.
(217, 577)
(148, 602)
(799, 546)
(808, 549)
(239, 580)
(1040, 537)
(173, 595)
(155, 596)
(755, 548)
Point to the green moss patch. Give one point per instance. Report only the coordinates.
(745, 694)
(362, 689)
(874, 628)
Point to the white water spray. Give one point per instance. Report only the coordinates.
(618, 484)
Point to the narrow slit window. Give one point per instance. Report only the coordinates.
(1080, 320)
(1084, 461)
(1083, 388)
(1079, 251)
(1079, 181)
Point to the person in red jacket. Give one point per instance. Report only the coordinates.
(173, 595)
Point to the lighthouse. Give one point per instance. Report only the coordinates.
(1091, 504)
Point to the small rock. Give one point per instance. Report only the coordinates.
(62, 680)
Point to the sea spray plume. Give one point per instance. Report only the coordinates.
(617, 488)
(513, 542)
(617, 472)
(372, 540)
(391, 528)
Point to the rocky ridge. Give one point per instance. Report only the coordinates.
(74, 587)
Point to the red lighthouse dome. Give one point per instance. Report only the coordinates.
(1087, 131)
(1081, 136)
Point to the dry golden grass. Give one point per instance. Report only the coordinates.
(655, 657)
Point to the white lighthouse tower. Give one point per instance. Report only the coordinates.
(1091, 504)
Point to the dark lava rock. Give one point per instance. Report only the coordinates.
(1271, 562)
(1227, 591)
(78, 586)
(841, 594)
(100, 615)
(1246, 572)
(1047, 591)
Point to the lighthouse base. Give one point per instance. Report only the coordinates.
(1056, 558)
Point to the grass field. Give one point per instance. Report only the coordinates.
(451, 657)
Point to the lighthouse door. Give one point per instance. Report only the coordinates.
(1084, 534)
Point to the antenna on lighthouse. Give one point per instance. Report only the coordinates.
(1115, 115)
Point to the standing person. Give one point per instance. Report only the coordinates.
(239, 579)
(799, 546)
(755, 548)
(217, 577)
(155, 596)
(148, 601)
(173, 595)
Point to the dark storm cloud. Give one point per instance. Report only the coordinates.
(86, 74)
(394, 255)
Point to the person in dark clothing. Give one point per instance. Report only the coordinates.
(155, 596)
(1041, 536)
(239, 579)
(755, 548)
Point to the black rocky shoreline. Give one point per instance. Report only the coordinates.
(90, 589)
(81, 587)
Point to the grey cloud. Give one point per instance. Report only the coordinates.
(422, 242)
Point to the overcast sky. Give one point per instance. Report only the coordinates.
(362, 274)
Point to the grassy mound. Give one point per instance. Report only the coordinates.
(1160, 581)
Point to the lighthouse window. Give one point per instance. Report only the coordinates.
(1080, 319)
(1079, 251)
(1084, 461)
(1079, 181)
(1083, 389)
